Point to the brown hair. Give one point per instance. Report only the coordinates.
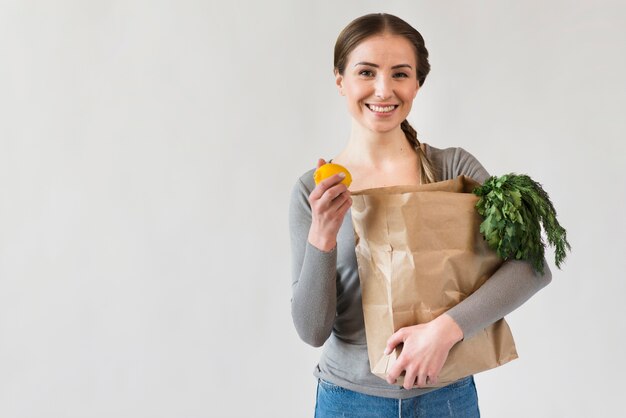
(375, 24)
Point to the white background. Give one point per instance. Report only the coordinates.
(147, 154)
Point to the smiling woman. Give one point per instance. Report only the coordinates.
(380, 91)
(381, 63)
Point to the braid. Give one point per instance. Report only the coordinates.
(427, 171)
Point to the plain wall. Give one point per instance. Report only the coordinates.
(147, 154)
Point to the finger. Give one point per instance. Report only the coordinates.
(336, 195)
(392, 375)
(394, 340)
(320, 162)
(333, 180)
(396, 369)
(432, 380)
(326, 184)
(421, 379)
(332, 193)
(345, 205)
(409, 379)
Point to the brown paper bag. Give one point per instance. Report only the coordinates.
(419, 253)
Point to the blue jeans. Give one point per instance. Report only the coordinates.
(458, 399)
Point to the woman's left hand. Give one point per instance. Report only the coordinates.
(426, 348)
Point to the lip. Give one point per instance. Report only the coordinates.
(382, 114)
(383, 104)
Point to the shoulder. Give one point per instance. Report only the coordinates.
(302, 188)
(456, 161)
(305, 183)
(451, 156)
(307, 180)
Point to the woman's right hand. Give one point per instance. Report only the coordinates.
(330, 200)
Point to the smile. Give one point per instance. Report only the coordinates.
(381, 109)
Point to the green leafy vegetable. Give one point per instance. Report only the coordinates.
(513, 208)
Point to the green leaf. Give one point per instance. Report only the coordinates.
(514, 210)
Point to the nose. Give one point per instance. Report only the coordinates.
(382, 88)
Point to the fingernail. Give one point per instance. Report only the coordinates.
(342, 175)
(387, 351)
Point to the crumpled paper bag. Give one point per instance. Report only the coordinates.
(419, 253)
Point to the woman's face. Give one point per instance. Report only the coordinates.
(380, 82)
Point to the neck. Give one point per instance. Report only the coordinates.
(375, 149)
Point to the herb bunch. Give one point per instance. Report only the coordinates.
(513, 208)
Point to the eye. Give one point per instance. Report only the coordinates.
(366, 73)
(401, 75)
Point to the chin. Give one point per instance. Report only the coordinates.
(382, 129)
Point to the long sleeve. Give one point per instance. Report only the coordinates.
(510, 286)
(326, 301)
(314, 291)
(507, 289)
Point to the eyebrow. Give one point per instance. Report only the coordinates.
(376, 65)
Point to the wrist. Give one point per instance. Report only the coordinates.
(321, 242)
(452, 331)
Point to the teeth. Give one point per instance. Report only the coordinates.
(381, 109)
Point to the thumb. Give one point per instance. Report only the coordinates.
(320, 162)
(394, 340)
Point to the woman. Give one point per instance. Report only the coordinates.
(380, 64)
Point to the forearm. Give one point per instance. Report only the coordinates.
(507, 289)
(314, 300)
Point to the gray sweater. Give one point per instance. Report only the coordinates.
(326, 294)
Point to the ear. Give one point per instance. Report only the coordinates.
(417, 88)
(339, 82)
